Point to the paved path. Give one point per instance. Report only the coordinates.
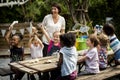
(4, 63)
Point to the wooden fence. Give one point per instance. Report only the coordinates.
(17, 27)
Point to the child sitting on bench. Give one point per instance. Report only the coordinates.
(109, 30)
(90, 57)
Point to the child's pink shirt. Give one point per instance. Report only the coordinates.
(51, 44)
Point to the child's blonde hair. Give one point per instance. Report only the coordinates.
(103, 40)
(56, 32)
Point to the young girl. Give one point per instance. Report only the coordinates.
(54, 44)
(91, 56)
(16, 51)
(36, 47)
(114, 42)
(68, 57)
(102, 51)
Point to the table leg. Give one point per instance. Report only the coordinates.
(11, 77)
(28, 76)
(80, 67)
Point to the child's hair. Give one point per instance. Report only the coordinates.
(93, 38)
(19, 35)
(56, 32)
(109, 29)
(68, 39)
(103, 39)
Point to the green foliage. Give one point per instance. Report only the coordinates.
(32, 10)
(36, 10)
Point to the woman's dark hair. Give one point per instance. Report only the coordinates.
(57, 6)
(68, 39)
(109, 29)
(93, 38)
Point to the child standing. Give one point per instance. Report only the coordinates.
(36, 47)
(68, 57)
(91, 56)
(16, 51)
(114, 42)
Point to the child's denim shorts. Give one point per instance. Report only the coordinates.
(117, 55)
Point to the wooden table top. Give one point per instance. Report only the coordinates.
(38, 65)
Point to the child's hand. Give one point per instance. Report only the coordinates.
(14, 22)
(95, 31)
(36, 37)
(34, 30)
(10, 28)
(40, 26)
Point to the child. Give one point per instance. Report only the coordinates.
(114, 42)
(102, 48)
(68, 57)
(36, 47)
(54, 44)
(16, 51)
(102, 51)
(91, 56)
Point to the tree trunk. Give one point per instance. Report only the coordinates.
(79, 12)
(72, 10)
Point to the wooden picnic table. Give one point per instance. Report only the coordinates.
(40, 64)
(36, 65)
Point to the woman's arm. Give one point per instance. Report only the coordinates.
(45, 32)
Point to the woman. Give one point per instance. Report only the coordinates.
(52, 22)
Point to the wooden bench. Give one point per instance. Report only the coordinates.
(103, 75)
(17, 27)
(6, 72)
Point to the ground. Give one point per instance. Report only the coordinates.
(4, 63)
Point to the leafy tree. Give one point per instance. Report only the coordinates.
(74, 11)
